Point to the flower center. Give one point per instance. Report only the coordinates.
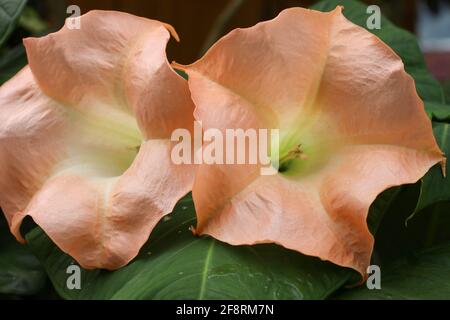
(305, 150)
(102, 143)
(294, 153)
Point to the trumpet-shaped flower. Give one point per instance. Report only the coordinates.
(350, 121)
(85, 137)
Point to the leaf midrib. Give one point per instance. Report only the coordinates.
(205, 270)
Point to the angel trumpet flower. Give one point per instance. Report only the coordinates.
(350, 121)
(85, 137)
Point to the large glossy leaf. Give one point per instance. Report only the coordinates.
(423, 275)
(20, 271)
(11, 61)
(401, 41)
(9, 13)
(380, 207)
(438, 111)
(436, 187)
(446, 88)
(176, 265)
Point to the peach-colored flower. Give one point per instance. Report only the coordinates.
(351, 125)
(85, 137)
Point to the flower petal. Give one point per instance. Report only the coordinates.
(85, 137)
(292, 49)
(31, 140)
(323, 214)
(116, 60)
(326, 84)
(367, 93)
(103, 222)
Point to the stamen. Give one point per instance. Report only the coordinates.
(295, 153)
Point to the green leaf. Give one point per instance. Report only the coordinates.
(32, 22)
(423, 275)
(435, 187)
(446, 88)
(438, 111)
(11, 61)
(380, 206)
(176, 265)
(20, 271)
(182, 73)
(401, 41)
(10, 11)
